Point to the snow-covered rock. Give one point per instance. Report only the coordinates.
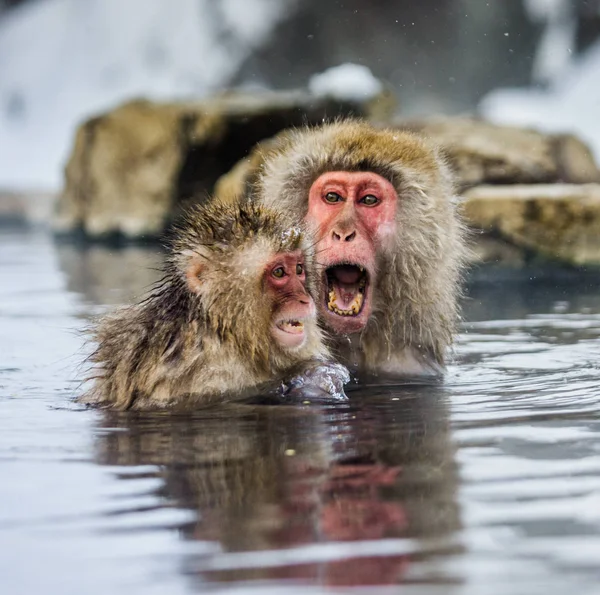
(558, 221)
(485, 153)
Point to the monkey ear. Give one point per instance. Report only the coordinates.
(194, 272)
(195, 264)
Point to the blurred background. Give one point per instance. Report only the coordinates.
(526, 62)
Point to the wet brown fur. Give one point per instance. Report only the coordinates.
(178, 346)
(415, 307)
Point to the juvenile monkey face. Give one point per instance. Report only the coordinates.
(293, 308)
(354, 217)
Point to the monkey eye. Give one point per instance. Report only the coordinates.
(278, 273)
(299, 269)
(333, 197)
(369, 200)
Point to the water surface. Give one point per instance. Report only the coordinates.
(489, 483)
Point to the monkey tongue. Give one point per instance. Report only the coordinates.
(345, 293)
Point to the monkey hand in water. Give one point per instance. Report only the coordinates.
(321, 382)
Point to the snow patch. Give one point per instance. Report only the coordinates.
(571, 104)
(291, 234)
(351, 82)
(553, 54)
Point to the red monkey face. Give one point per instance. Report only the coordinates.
(354, 215)
(285, 282)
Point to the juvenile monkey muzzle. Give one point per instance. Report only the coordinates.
(289, 332)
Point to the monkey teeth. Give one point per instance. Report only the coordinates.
(294, 327)
(354, 308)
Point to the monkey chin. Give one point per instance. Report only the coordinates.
(346, 304)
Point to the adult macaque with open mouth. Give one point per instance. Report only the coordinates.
(233, 311)
(390, 244)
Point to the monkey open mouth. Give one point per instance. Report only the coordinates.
(346, 287)
(294, 327)
(289, 332)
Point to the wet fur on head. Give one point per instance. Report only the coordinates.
(178, 341)
(417, 289)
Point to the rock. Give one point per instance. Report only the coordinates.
(132, 169)
(12, 208)
(122, 171)
(557, 221)
(25, 207)
(575, 160)
(484, 153)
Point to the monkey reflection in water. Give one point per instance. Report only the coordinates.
(232, 315)
(264, 479)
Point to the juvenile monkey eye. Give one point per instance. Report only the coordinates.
(333, 197)
(278, 272)
(369, 200)
(299, 269)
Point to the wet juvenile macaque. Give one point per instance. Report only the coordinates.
(233, 310)
(390, 243)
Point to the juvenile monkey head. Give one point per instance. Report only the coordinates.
(246, 270)
(389, 241)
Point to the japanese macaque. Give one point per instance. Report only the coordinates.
(390, 241)
(233, 310)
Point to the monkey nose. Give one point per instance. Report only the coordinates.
(346, 237)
